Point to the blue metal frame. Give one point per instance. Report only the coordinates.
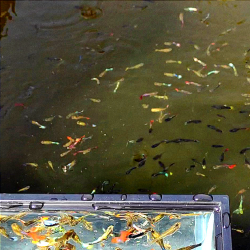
(219, 204)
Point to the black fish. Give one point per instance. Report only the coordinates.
(195, 161)
(221, 116)
(193, 121)
(214, 128)
(139, 140)
(244, 150)
(222, 155)
(134, 236)
(181, 140)
(244, 111)
(129, 171)
(156, 144)
(204, 163)
(217, 146)
(157, 156)
(150, 130)
(222, 107)
(237, 129)
(161, 164)
(142, 163)
(170, 118)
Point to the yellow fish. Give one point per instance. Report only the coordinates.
(31, 164)
(24, 189)
(95, 100)
(158, 109)
(81, 123)
(137, 66)
(164, 50)
(51, 165)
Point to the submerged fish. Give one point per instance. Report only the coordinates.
(190, 247)
(137, 66)
(214, 128)
(222, 107)
(240, 209)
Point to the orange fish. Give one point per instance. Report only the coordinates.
(123, 237)
(35, 236)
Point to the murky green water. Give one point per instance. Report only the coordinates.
(124, 35)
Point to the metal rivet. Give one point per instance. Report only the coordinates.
(124, 197)
(87, 197)
(203, 197)
(155, 197)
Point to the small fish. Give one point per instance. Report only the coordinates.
(173, 75)
(105, 236)
(193, 83)
(223, 154)
(49, 119)
(168, 232)
(161, 97)
(3, 232)
(222, 107)
(197, 47)
(200, 174)
(240, 209)
(244, 150)
(157, 144)
(142, 163)
(224, 166)
(51, 165)
(200, 62)
(118, 82)
(137, 66)
(242, 191)
(247, 163)
(183, 91)
(140, 139)
(237, 129)
(95, 100)
(81, 123)
(162, 84)
(145, 106)
(84, 152)
(214, 128)
(148, 95)
(65, 153)
(212, 189)
(32, 164)
(173, 61)
(159, 109)
(170, 118)
(74, 113)
(122, 238)
(164, 50)
(71, 164)
(161, 164)
(222, 116)
(38, 124)
(131, 169)
(193, 121)
(190, 247)
(49, 142)
(17, 230)
(238, 230)
(181, 18)
(158, 156)
(191, 9)
(222, 66)
(95, 79)
(217, 146)
(235, 71)
(246, 95)
(24, 189)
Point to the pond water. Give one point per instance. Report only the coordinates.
(52, 55)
